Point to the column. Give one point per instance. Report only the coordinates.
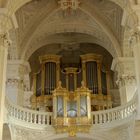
(4, 43)
(18, 81)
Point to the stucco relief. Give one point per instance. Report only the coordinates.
(4, 40)
(23, 133)
(119, 133)
(125, 69)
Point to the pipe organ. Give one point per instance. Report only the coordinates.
(71, 93)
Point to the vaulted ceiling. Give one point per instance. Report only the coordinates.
(40, 21)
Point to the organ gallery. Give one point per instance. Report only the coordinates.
(71, 92)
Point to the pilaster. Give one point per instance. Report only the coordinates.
(135, 43)
(126, 78)
(18, 83)
(4, 44)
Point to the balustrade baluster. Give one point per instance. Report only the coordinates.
(119, 115)
(31, 117)
(19, 114)
(100, 118)
(123, 113)
(50, 119)
(39, 119)
(35, 118)
(127, 110)
(108, 117)
(104, 117)
(114, 115)
(11, 111)
(92, 119)
(13, 114)
(111, 116)
(27, 116)
(43, 122)
(47, 119)
(95, 118)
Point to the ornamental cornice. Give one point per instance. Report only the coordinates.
(14, 82)
(126, 80)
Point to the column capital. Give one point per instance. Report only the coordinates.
(135, 36)
(124, 80)
(5, 40)
(123, 64)
(125, 68)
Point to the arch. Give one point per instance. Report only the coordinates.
(14, 5)
(94, 17)
(53, 40)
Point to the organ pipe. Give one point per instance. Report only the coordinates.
(99, 78)
(90, 72)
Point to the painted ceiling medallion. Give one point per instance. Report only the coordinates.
(69, 4)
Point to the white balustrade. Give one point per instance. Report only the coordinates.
(45, 118)
(115, 114)
(27, 115)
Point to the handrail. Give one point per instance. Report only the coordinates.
(45, 118)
